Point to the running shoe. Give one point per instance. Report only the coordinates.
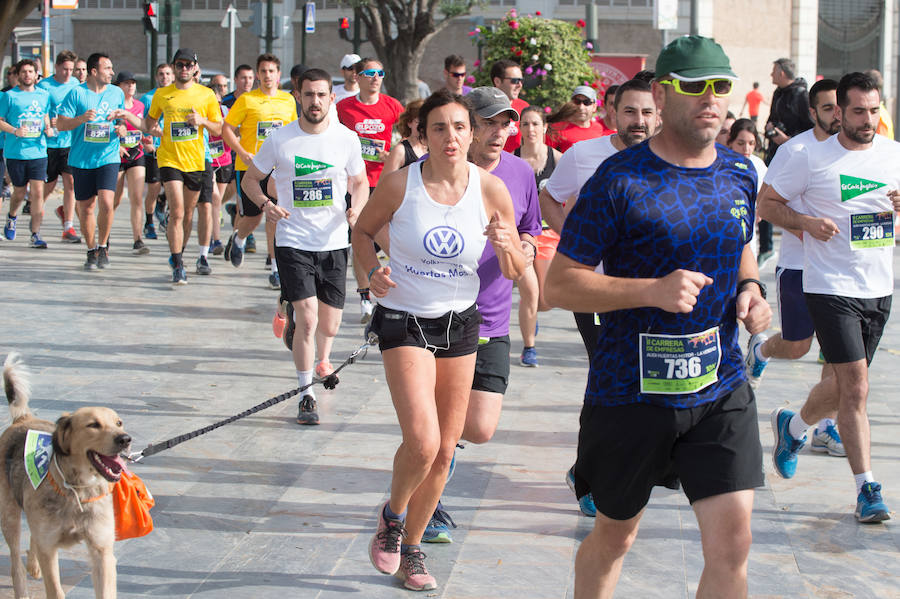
(250, 245)
(268, 261)
(413, 573)
(821, 359)
(365, 310)
(150, 231)
(59, 213)
(306, 412)
(784, 454)
(70, 236)
(102, 256)
(9, 229)
(278, 322)
(755, 366)
(233, 252)
(586, 502)
(289, 326)
(828, 441)
(37, 242)
(452, 465)
(91, 262)
(203, 266)
(274, 281)
(323, 369)
(27, 208)
(384, 548)
(139, 248)
(216, 248)
(179, 276)
(764, 258)
(529, 357)
(159, 211)
(231, 209)
(438, 529)
(870, 506)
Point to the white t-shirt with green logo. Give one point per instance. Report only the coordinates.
(311, 174)
(850, 188)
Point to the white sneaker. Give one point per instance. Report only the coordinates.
(828, 441)
(365, 311)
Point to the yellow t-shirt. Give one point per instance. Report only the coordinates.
(182, 145)
(256, 115)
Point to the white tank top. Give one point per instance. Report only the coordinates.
(435, 249)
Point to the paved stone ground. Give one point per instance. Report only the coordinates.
(264, 508)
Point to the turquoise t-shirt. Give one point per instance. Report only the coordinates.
(2, 135)
(94, 143)
(28, 109)
(146, 100)
(58, 92)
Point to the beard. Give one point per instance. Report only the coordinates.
(629, 139)
(315, 120)
(861, 135)
(829, 128)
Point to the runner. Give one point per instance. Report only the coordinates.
(575, 121)
(223, 169)
(186, 108)
(91, 111)
(350, 86)
(250, 120)
(80, 70)
(132, 165)
(848, 186)
(506, 75)
(24, 117)
(60, 84)
(372, 115)
(666, 393)
(164, 77)
(426, 320)
(316, 162)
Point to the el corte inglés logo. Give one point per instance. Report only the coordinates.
(306, 166)
(854, 186)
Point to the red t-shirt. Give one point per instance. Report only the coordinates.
(563, 136)
(754, 99)
(373, 123)
(515, 135)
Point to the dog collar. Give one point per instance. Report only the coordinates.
(57, 488)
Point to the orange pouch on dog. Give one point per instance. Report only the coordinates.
(132, 502)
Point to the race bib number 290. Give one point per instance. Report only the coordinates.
(309, 193)
(679, 364)
(871, 230)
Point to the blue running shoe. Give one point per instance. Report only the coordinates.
(274, 279)
(529, 357)
(179, 276)
(870, 506)
(438, 529)
(250, 245)
(37, 242)
(9, 229)
(150, 231)
(784, 454)
(755, 366)
(452, 460)
(216, 248)
(585, 503)
(828, 441)
(233, 252)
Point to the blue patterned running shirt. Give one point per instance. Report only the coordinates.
(644, 218)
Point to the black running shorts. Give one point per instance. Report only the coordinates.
(313, 274)
(848, 328)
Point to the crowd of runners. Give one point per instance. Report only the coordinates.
(642, 223)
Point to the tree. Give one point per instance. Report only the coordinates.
(401, 29)
(13, 12)
(553, 55)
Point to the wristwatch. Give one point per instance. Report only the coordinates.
(762, 287)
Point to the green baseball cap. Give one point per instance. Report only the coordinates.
(694, 58)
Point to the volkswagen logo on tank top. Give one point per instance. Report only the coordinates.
(444, 242)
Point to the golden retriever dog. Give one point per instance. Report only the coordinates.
(72, 503)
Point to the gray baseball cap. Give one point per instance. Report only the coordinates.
(490, 101)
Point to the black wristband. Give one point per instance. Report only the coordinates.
(762, 287)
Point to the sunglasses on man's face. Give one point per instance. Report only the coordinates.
(184, 65)
(458, 75)
(515, 80)
(720, 87)
(372, 73)
(583, 101)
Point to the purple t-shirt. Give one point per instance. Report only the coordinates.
(495, 294)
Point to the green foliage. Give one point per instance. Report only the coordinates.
(552, 53)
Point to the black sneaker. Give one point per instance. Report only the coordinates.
(268, 261)
(139, 248)
(102, 257)
(91, 262)
(289, 325)
(203, 266)
(231, 209)
(307, 412)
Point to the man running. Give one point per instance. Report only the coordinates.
(164, 77)
(91, 111)
(506, 75)
(252, 118)
(848, 186)
(316, 162)
(24, 117)
(371, 114)
(670, 220)
(350, 86)
(58, 86)
(186, 107)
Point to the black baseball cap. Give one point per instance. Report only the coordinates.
(123, 76)
(185, 54)
(297, 70)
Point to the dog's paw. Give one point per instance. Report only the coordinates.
(32, 566)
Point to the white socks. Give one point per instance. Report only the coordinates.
(797, 428)
(861, 479)
(305, 377)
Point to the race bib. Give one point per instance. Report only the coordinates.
(131, 139)
(217, 149)
(97, 133)
(370, 148)
(38, 451)
(182, 131)
(309, 193)
(679, 364)
(871, 230)
(32, 127)
(265, 128)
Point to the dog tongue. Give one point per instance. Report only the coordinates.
(114, 463)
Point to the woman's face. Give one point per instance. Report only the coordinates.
(744, 143)
(448, 132)
(532, 127)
